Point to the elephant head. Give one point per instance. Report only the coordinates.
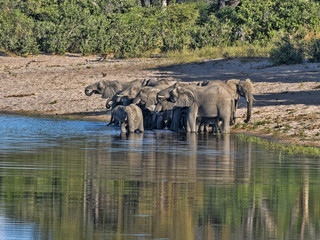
(182, 97)
(146, 97)
(245, 89)
(106, 88)
(126, 96)
(164, 94)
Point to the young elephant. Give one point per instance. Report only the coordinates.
(130, 117)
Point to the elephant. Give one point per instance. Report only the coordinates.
(109, 88)
(126, 96)
(171, 115)
(130, 118)
(238, 88)
(217, 100)
(145, 97)
(162, 114)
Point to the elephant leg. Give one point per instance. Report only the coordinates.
(225, 124)
(159, 122)
(192, 119)
(140, 127)
(111, 120)
(132, 126)
(155, 117)
(123, 127)
(200, 125)
(176, 117)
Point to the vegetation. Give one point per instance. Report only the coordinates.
(288, 149)
(286, 53)
(131, 28)
(314, 51)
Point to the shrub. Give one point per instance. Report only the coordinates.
(314, 51)
(177, 23)
(286, 52)
(16, 33)
(211, 34)
(127, 29)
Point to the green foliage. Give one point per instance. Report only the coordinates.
(314, 51)
(16, 33)
(289, 149)
(286, 52)
(259, 20)
(135, 31)
(127, 29)
(256, 19)
(212, 33)
(177, 24)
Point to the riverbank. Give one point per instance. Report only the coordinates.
(287, 106)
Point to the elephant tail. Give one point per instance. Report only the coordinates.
(233, 112)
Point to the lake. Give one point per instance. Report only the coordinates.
(83, 180)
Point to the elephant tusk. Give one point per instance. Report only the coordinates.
(161, 97)
(120, 95)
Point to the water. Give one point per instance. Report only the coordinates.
(83, 180)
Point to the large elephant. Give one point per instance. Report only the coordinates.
(172, 116)
(146, 99)
(213, 101)
(130, 118)
(238, 88)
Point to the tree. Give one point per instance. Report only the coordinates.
(223, 3)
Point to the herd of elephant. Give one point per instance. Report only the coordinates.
(178, 106)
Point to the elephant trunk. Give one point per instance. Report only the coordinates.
(109, 104)
(88, 92)
(249, 108)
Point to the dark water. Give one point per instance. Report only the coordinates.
(83, 180)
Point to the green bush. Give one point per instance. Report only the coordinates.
(16, 33)
(177, 23)
(314, 51)
(286, 52)
(127, 29)
(212, 33)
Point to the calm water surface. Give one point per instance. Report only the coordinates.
(83, 180)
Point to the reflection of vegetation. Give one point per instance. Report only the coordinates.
(176, 187)
(290, 149)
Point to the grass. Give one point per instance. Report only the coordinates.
(290, 149)
(197, 55)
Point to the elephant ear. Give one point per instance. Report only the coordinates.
(184, 97)
(233, 86)
(101, 86)
(109, 89)
(147, 96)
(131, 92)
(245, 89)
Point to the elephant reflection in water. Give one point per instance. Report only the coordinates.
(218, 166)
(138, 161)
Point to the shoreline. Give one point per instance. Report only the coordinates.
(286, 110)
(257, 137)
